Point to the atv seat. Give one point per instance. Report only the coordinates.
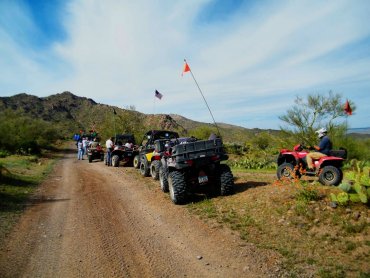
(342, 153)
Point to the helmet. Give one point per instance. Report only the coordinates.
(321, 132)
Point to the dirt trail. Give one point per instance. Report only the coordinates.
(90, 220)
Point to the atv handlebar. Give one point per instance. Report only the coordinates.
(302, 146)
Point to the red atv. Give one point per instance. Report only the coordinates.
(292, 164)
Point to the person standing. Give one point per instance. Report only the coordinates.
(79, 150)
(322, 149)
(109, 145)
(85, 143)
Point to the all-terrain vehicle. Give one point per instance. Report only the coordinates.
(122, 152)
(190, 165)
(95, 152)
(293, 164)
(148, 160)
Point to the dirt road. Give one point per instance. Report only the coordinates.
(90, 220)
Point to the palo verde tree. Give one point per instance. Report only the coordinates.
(314, 112)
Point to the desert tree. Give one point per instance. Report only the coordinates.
(313, 112)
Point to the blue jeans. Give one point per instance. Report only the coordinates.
(80, 154)
(109, 157)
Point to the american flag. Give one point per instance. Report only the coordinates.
(158, 94)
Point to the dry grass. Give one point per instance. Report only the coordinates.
(296, 220)
(19, 179)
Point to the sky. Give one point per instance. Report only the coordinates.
(250, 59)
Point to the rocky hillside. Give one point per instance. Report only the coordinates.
(69, 114)
(74, 113)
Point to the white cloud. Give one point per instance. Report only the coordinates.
(120, 52)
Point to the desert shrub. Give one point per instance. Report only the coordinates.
(234, 148)
(23, 134)
(203, 132)
(307, 194)
(4, 153)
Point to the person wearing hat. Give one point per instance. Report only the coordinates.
(322, 149)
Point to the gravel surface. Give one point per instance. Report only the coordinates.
(90, 220)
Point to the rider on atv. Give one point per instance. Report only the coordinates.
(322, 149)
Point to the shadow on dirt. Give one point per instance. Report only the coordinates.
(197, 197)
(241, 187)
(13, 180)
(43, 199)
(14, 203)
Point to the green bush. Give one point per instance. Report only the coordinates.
(23, 134)
(307, 194)
(4, 153)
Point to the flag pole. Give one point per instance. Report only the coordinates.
(218, 131)
(154, 106)
(114, 122)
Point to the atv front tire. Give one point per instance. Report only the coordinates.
(177, 187)
(90, 158)
(144, 169)
(154, 169)
(115, 160)
(330, 175)
(136, 162)
(286, 170)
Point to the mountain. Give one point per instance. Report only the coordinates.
(72, 113)
(364, 130)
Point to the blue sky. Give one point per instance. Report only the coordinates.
(250, 58)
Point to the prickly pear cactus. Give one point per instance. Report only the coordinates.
(358, 190)
(342, 198)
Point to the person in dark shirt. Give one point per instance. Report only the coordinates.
(322, 149)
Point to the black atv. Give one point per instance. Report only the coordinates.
(189, 166)
(122, 152)
(143, 160)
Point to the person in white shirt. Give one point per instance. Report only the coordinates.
(109, 144)
(85, 143)
(79, 150)
(129, 145)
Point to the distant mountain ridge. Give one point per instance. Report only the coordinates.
(362, 130)
(74, 113)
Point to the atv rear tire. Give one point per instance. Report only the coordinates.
(177, 187)
(163, 181)
(136, 162)
(226, 180)
(286, 170)
(102, 157)
(144, 169)
(115, 160)
(154, 169)
(330, 175)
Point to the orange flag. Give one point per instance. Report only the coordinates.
(186, 68)
(347, 108)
